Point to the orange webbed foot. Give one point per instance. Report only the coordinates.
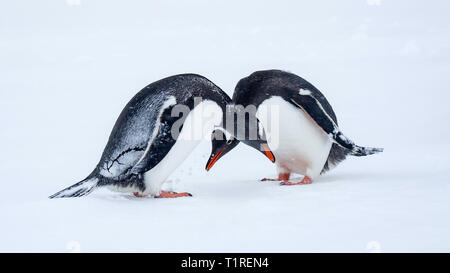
(281, 177)
(171, 194)
(137, 194)
(270, 179)
(305, 181)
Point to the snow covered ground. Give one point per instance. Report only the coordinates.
(68, 67)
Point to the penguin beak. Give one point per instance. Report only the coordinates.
(212, 160)
(267, 152)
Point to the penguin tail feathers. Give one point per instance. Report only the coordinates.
(363, 151)
(79, 189)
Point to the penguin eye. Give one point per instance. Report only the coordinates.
(229, 141)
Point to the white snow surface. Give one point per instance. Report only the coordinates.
(68, 70)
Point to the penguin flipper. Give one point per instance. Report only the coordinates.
(305, 100)
(161, 145)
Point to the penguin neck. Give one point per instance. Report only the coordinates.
(226, 107)
(229, 118)
(225, 104)
(221, 99)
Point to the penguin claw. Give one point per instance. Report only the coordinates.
(171, 194)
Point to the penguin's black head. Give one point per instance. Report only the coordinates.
(221, 145)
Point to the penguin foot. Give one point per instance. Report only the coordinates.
(270, 179)
(281, 177)
(137, 194)
(171, 194)
(305, 181)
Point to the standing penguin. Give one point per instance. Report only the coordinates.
(150, 139)
(307, 139)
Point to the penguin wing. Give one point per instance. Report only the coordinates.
(165, 137)
(311, 104)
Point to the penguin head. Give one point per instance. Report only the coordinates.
(222, 145)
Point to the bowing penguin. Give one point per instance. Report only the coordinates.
(153, 135)
(306, 139)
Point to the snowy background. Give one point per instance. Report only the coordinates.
(67, 68)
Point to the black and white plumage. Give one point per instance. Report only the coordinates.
(307, 139)
(141, 152)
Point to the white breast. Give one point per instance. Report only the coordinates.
(198, 126)
(298, 143)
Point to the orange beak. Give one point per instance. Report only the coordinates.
(213, 160)
(268, 152)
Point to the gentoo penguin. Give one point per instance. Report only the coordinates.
(154, 133)
(301, 127)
